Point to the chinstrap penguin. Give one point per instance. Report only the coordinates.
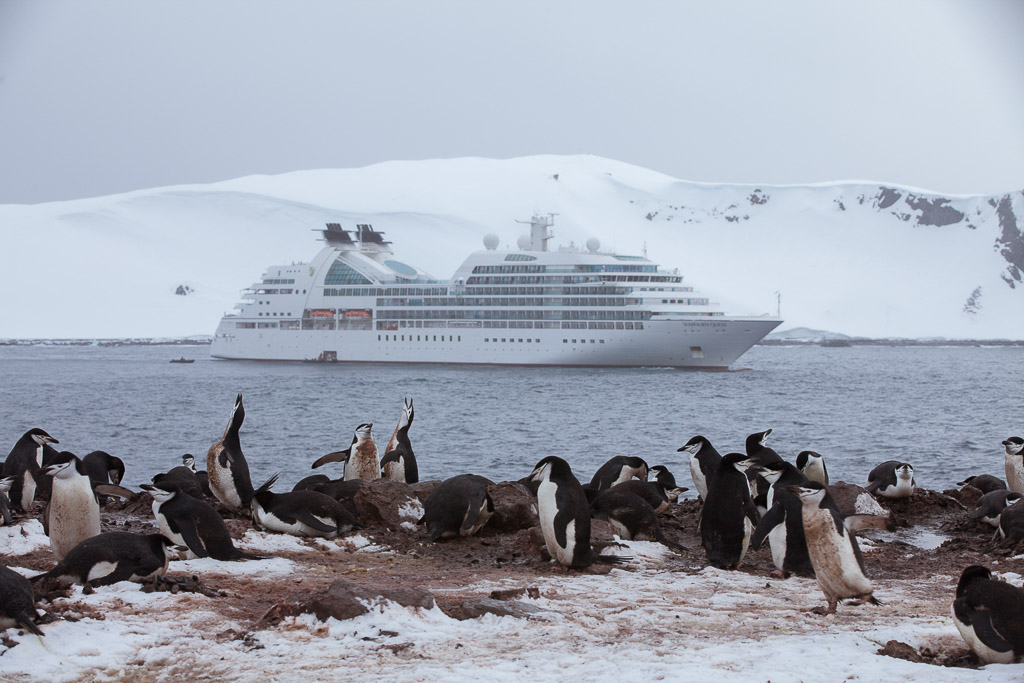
(985, 483)
(300, 513)
(24, 463)
(193, 523)
(618, 469)
(1014, 458)
(630, 515)
(892, 479)
(17, 602)
(399, 462)
(73, 513)
(112, 557)
(5, 505)
(729, 516)
(989, 614)
(564, 515)
(783, 524)
(704, 461)
(104, 468)
(990, 506)
(812, 465)
(226, 466)
(459, 506)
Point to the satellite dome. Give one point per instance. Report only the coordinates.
(524, 242)
(491, 241)
(593, 244)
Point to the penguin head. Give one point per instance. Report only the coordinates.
(973, 573)
(551, 467)
(693, 446)
(407, 414)
(772, 471)
(363, 431)
(810, 493)
(757, 439)
(739, 461)
(806, 458)
(1014, 445)
(65, 466)
(162, 493)
(663, 476)
(115, 470)
(40, 436)
(189, 461)
(904, 471)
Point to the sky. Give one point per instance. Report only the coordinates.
(110, 96)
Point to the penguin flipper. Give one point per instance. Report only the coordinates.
(473, 513)
(337, 456)
(188, 531)
(115, 490)
(310, 520)
(981, 620)
(46, 519)
(774, 517)
(873, 486)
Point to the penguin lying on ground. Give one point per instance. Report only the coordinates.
(399, 463)
(1010, 529)
(990, 506)
(892, 479)
(630, 515)
(989, 614)
(812, 466)
(24, 463)
(342, 491)
(300, 513)
(360, 457)
(704, 460)
(832, 547)
(459, 506)
(985, 483)
(617, 470)
(17, 603)
(226, 466)
(565, 515)
(112, 557)
(193, 523)
(1014, 460)
(729, 516)
(654, 493)
(183, 478)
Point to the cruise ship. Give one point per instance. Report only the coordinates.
(354, 302)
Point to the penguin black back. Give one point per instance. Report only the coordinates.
(704, 461)
(618, 469)
(17, 602)
(103, 468)
(24, 462)
(399, 462)
(986, 483)
(630, 514)
(459, 506)
(729, 515)
(193, 523)
(112, 557)
(990, 616)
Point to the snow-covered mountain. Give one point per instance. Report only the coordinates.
(856, 258)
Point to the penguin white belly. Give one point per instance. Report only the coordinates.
(903, 489)
(815, 471)
(101, 569)
(28, 490)
(74, 514)
(835, 564)
(364, 466)
(272, 522)
(748, 531)
(1015, 473)
(223, 485)
(986, 654)
(394, 470)
(777, 541)
(546, 511)
(621, 529)
(481, 519)
(165, 529)
(698, 478)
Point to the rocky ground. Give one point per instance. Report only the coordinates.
(672, 598)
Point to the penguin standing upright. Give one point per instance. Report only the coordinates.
(565, 515)
(783, 524)
(459, 506)
(704, 461)
(399, 463)
(73, 513)
(832, 547)
(226, 466)
(360, 457)
(812, 465)
(17, 602)
(24, 463)
(617, 470)
(989, 614)
(1014, 463)
(729, 516)
(112, 557)
(193, 523)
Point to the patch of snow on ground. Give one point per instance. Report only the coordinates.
(22, 539)
(412, 509)
(271, 567)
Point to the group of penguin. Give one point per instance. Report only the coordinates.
(747, 498)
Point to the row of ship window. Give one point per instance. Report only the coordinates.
(562, 279)
(566, 269)
(514, 315)
(518, 301)
(599, 288)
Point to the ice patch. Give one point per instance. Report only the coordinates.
(24, 538)
(411, 509)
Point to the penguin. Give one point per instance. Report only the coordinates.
(360, 457)
(299, 513)
(783, 524)
(812, 465)
(104, 468)
(565, 515)
(651, 492)
(729, 516)
(17, 602)
(617, 470)
(226, 466)
(892, 479)
(761, 455)
(399, 463)
(665, 481)
(73, 513)
(311, 482)
(5, 505)
(188, 460)
(1010, 529)
(24, 463)
(193, 523)
(342, 491)
(704, 461)
(990, 506)
(989, 614)
(459, 506)
(1014, 463)
(832, 547)
(112, 557)
(985, 483)
(630, 515)
(183, 478)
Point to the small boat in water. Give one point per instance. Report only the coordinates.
(183, 360)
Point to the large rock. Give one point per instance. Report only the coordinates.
(378, 502)
(473, 608)
(514, 507)
(345, 600)
(855, 500)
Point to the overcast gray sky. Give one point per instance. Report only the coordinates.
(108, 96)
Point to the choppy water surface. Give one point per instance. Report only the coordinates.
(943, 409)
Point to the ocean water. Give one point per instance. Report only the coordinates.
(942, 409)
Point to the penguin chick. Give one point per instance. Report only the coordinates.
(112, 557)
(17, 602)
(631, 516)
(459, 506)
(704, 461)
(226, 466)
(989, 614)
(299, 513)
(399, 462)
(617, 470)
(892, 479)
(24, 463)
(565, 515)
(832, 547)
(360, 457)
